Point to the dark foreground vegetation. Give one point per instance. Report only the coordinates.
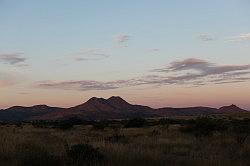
(186, 141)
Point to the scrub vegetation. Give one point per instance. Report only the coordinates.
(176, 141)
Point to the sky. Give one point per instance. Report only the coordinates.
(152, 52)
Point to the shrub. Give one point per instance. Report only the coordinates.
(44, 124)
(31, 154)
(19, 125)
(164, 123)
(65, 125)
(61, 124)
(135, 123)
(117, 137)
(204, 126)
(75, 121)
(241, 129)
(100, 125)
(84, 153)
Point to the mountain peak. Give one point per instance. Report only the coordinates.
(95, 100)
(116, 98)
(231, 108)
(40, 106)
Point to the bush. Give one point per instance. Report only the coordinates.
(39, 124)
(84, 153)
(117, 137)
(204, 126)
(164, 123)
(135, 123)
(19, 125)
(241, 129)
(31, 154)
(65, 125)
(100, 125)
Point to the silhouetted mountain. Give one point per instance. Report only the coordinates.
(231, 109)
(189, 111)
(99, 108)
(19, 113)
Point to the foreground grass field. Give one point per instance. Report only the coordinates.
(136, 142)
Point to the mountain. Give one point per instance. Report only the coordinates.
(231, 109)
(189, 111)
(112, 108)
(99, 108)
(199, 111)
(19, 113)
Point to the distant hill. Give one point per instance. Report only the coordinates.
(99, 108)
(112, 108)
(231, 109)
(189, 111)
(19, 113)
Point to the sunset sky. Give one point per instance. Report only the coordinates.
(152, 52)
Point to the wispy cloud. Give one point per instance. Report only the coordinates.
(12, 58)
(206, 37)
(91, 54)
(83, 85)
(191, 70)
(202, 66)
(242, 37)
(196, 72)
(122, 39)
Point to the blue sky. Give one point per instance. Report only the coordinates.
(46, 45)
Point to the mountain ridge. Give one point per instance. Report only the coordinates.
(114, 107)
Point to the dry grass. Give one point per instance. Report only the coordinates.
(139, 146)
